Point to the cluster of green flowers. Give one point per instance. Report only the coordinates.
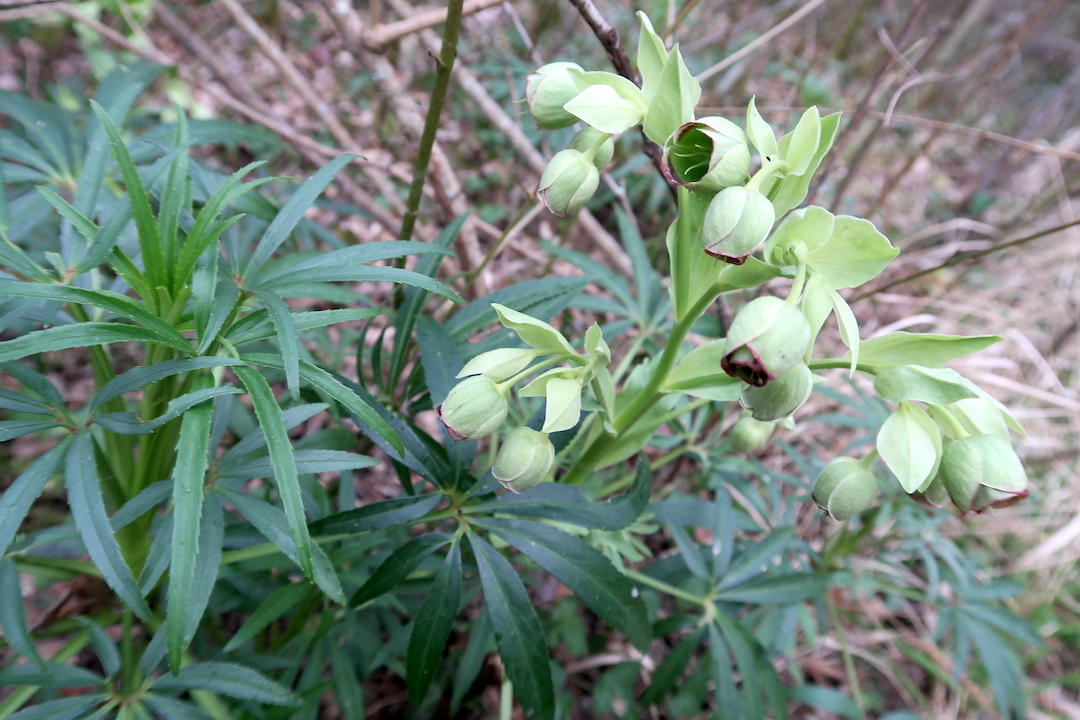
(947, 441)
(479, 404)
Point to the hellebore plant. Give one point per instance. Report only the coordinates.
(946, 440)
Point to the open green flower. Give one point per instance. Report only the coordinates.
(708, 155)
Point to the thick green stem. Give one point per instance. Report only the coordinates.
(447, 55)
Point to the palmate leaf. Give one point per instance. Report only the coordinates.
(518, 634)
(88, 509)
(583, 569)
(432, 626)
(282, 459)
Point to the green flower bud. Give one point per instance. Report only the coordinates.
(749, 435)
(780, 398)
(766, 340)
(474, 408)
(568, 182)
(547, 90)
(736, 222)
(600, 143)
(709, 154)
(524, 459)
(982, 472)
(845, 488)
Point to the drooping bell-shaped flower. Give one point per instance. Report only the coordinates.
(524, 460)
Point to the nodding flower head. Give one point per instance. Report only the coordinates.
(766, 340)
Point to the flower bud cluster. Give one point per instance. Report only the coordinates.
(479, 405)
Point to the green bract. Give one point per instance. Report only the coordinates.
(845, 488)
(568, 182)
(709, 154)
(524, 460)
(474, 408)
(767, 338)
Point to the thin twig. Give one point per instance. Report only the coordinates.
(970, 256)
(377, 38)
(760, 40)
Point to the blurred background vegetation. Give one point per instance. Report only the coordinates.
(961, 142)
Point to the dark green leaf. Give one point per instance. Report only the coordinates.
(281, 319)
(63, 709)
(82, 335)
(168, 709)
(88, 509)
(442, 362)
(377, 516)
(584, 570)
(518, 634)
(13, 614)
(54, 675)
(291, 214)
(35, 382)
(757, 556)
(672, 668)
(10, 429)
(1002, 666)
(282, 459)
(346, 684)
(307, 462)
(360, 273)
(140, 377)
(125, 423)
(432, 626)
(565, 503)
(189, 475)
(398, 566)
(827, 699)
(227, 679)
(539, 298)
(272, 523)
(104, 646)
(785, 589)
(726, 695)
(353, 256)
(285, 598)
(472, 660)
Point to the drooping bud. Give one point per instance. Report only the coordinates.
(983, 472)
(474, 408)
(568, 182)
(749, 435)
(845, 488)
(524, 459)
(709, 154)
(780, 398)
(599, 143)
(547, 90)
(736, 222)
(766, 340)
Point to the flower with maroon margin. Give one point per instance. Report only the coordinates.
(766, 340)
(568, 182)
(780, 398)
(524, 460)
(708, 155)
(983, 472)
(736, 222)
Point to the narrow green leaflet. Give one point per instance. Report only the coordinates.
(301, 321)
(189, 474)
(432, 626)
(88, 509)
(672, 668)
(53, 675)
(10, 429)
(377, 516)
(541, 298)
(757, 556)
(291, 214)
(35, 382)
(326, 383)
(125, 423)
(910, 445)
(518, 634)
(472, 660)
(784, 589)
(287, 338)
(282, 459)
(140, 377)
(63, 337)
(273, 525)
(226, 679)
(930, 350)
(347, 683)
(566, 503)
(278, 603)
(441, 361)
(168, 709)
(308, 462)
(13, 614)
(398, 565)
(584, 570)
(64, 709)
